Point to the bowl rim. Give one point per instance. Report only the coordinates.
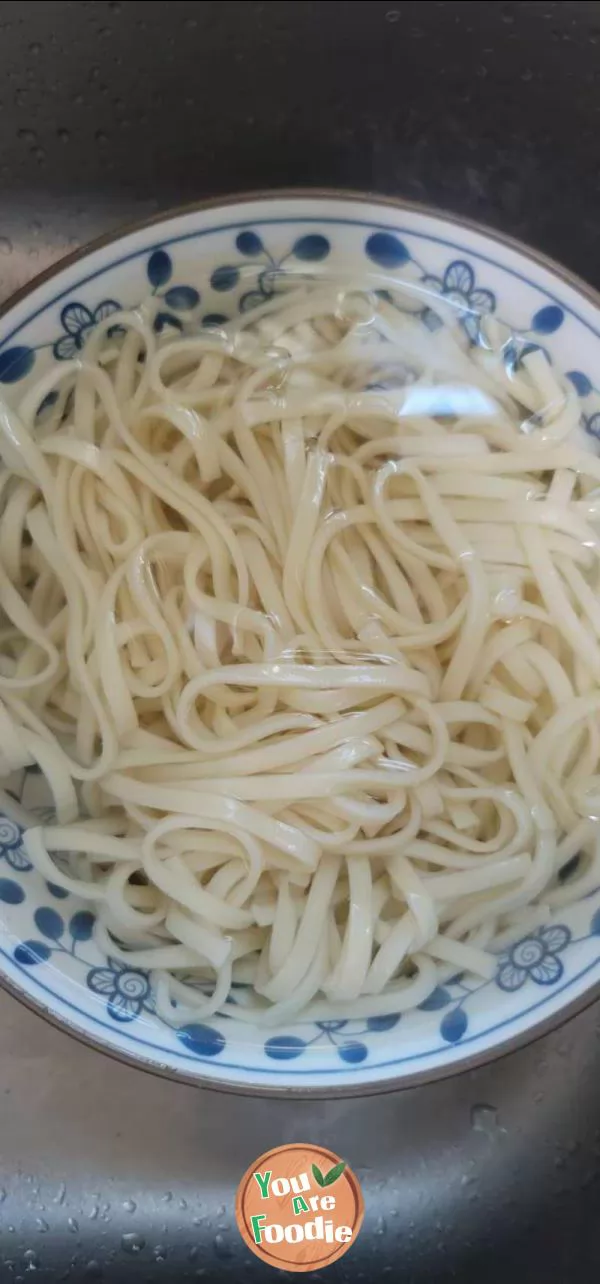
(391, 1083)
(351, 195)
(318, 1092)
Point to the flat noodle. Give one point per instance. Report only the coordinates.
(300, 622)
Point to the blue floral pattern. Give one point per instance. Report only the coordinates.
(458, 285)
(313, 248)
(60, 937)
(177, 298)
(77, 322)
(11, 845)
(535, 956)
(126, 989)
(344, 1036)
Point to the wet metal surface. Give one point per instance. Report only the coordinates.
(110, 111)
(111, 1173)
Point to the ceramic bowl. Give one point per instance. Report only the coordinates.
(205, 264)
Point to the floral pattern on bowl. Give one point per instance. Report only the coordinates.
(204, 267)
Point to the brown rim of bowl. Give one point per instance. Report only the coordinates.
(393, 1083)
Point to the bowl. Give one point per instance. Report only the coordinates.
(199, 262)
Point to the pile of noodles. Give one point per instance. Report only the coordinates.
(301, 623)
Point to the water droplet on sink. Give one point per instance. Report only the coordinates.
(484, 1118)
(166, 1199)
(160, 1252)
(92, 1217)
(2, 1194)
(73, 1225)
(61, 1194)
(5, 245)
(221, 1210)
(132, 1242)
(222, 1248)
(32, 1259)
(42, 1225)
(193, 1253)
(129, 1205)
(183, 1204)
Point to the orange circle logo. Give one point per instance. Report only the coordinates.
(299, 1207)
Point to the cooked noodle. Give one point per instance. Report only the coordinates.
(300, 622)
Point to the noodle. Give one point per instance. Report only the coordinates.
(299, 620)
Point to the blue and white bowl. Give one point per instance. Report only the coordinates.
(205, 265)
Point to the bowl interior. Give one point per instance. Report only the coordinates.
(206, 264)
